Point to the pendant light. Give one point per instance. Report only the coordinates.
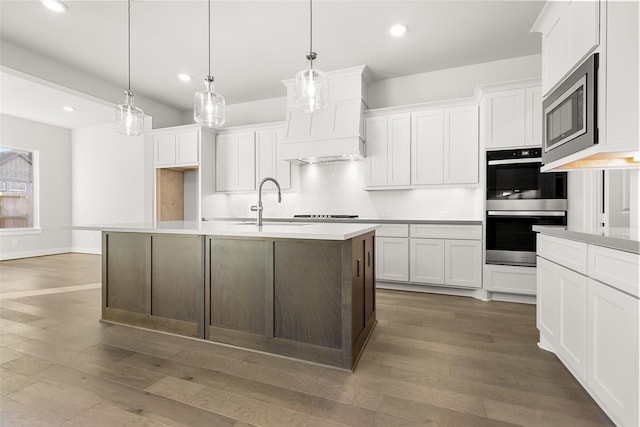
(208, 106)
(128, 119)
(311, 87)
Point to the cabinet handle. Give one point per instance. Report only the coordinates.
(368, 259)
(358, 267)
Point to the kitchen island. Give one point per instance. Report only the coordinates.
(300, 290)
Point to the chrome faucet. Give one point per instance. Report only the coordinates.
(259, 208)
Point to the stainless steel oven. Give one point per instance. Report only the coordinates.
(518, 197)
(570, 113)
(510, 239)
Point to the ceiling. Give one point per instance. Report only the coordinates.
(257, 44)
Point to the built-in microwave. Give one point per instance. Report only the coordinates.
(570, 113)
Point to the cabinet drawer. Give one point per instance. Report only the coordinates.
(618, 269)
(447, 231)
(511, 279)
(393, 230)
(568, 253)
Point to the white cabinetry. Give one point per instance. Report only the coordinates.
(427, 147)
(510, 279)
(267, 161)
(392, 252)
(613, 351)
(430, 147)
(461, 145)
(512, 118)
(176, 147)
(446, 255)
(235, 161)
(246, 155)
(388, 150)
(570, 31)
(587, 312)
(427, 261)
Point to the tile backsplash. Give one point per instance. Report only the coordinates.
(337, 188)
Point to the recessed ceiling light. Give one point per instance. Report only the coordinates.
(398, 30)
(184, 77)
(68, 108)
(54, 5)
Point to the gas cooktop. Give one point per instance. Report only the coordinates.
(325, 216)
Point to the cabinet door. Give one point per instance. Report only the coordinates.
(267, 163)
(165, 146)
(427, 146)
(554, 51)
(505, 119)
(533, 117)
(583, 29)
(613, 351)
(399, 149)
(358, 317)
(463, 263)
(246, 161)
(548, 300)
(461, 145)
(427, 261)
(392, 261)
(375, 166)
(572, 339)
(187, 147)
(226, 163)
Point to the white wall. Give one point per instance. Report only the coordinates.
(112, 181)
(27, 62)
(249, 113)
(336, 188)
(451, 83)
(54, 146)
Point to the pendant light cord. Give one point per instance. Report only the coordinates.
(311, 32)
(209, 37)
(129, 40)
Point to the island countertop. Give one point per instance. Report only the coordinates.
(293, 230)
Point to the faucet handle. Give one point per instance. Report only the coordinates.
(255, 208)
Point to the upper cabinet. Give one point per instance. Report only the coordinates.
(512, 117)
(431, 147)
(388, 150)
(175, 147)
(235, 161)
(245, 156)
(570, 32)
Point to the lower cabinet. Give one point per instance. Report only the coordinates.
(592, 326)
(612, 351)
(393, 258)
(430, 254)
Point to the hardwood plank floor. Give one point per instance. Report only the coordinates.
(433, 360)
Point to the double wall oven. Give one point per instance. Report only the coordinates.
(518, 197)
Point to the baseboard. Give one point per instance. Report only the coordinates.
(86, 250)
(34, 253)
(480, 294)
(522, 299)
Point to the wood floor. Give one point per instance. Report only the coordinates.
(432, 361)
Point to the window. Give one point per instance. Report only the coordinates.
(18, 200)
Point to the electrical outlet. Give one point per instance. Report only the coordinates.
(15, 242)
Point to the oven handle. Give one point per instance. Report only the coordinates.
(514, 161)
(526, 213)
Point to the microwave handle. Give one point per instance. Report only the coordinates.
(526, 213)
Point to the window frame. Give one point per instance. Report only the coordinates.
(35, 170)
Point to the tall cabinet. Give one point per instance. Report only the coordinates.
(184, 165)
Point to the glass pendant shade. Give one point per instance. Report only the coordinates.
(311, 90)
(208, 106)
(128, 119)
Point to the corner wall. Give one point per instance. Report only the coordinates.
(54, 146)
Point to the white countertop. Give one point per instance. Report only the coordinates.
(293, 230)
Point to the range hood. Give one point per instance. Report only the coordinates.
(331, 134)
